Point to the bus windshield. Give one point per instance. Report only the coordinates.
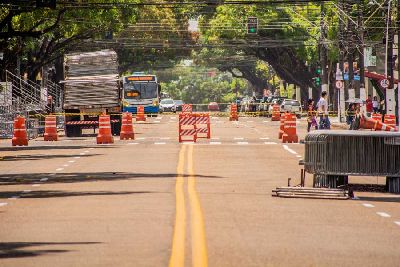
(140, 90)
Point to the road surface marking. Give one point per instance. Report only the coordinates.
(242, 143)
(65, 165)
(397, 222)
(36, 185)
(71, 161)
(298, 156)
(82, 154)
(133, 143)
(383, 214)
(238, 138)
(215, 138)
(91, 148)
(367, 205)
(2, 204)
(165, 138)
(289, 150)
(160, 118)
(215, 143)
(159, 143)
(86, 151)
(270, 143)
(52, 174)
(177, 258)
(14, 197)
(77, 157)
(26, 191)
(199, 246)
(44, 179)
(250, 121)
(265, 121)
(141, 138)
(156, 121)
(264, 138)
(59, 169)
(173, 118)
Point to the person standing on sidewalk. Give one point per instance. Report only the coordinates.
(375, 105)
(311, 120)
(322, 106)
(369, 106)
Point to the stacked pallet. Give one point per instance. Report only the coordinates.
(91, 79)
(310, 192)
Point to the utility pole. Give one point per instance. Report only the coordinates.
(361, 47)
(350, 51)
(323, 52)
(390, 96)
(340, 70)
(398, 63)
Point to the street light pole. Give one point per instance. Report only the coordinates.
(398, 63)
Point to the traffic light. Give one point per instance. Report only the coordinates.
(46, 3)
(317, 81)
(252, 24)
(318, 70)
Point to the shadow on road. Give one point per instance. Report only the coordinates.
(42, 156)
(51, 194)
(29, 178)
(19, 249)
(381, 199)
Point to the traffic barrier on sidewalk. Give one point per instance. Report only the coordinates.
(377, 125)
(290, 134)
(376, 116)
(282, 126)
(20, 137)
(187, 108)
(104, 136)
(390, 120)
(276, 113)
(203, 126)
(187, 127)
(50, 128)
(234, 113)
(127, 127)
(140, 114)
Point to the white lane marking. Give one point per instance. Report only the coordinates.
(214, 118)
(36, 185)
(215, 143)
(160, 118)
(265, 121)
(71, 161)
(289, 150)
(2, 204)
(44, 179)
(91, 148)
(133, 143)
(156, 121)
(219, 122)
(86, 151)
(77, 157)
(264, 138)
(52, 174)
(159, 143)
(367, 205)
(250, 121)
(242, 143)
(27, 191)
(141, 138)
(67, 140)
(173, 118)
(238, 138)
(215, 138)
(59, 169)
(298, 156)
(270, 143)
(165, 138)
(397, 222)
(14, 197)
(65, 165)
(82, 154)
(383, 214)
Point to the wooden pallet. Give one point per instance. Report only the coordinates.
(311, 192)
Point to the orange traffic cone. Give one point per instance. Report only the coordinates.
(376, 116)
(234, 114)
(140, 114)
(282, 125)
(390, 120)
(50, 130)
(127, 127)
(290, 134)
(104, 136)
(20, 137)
(377, 125)
(276, 113)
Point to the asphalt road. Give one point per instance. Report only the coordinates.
(155, 202)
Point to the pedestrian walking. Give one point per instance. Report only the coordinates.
(322, 106)
(351, 112)
(375, 105)
(311, 115)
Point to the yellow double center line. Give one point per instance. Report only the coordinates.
(199, 247)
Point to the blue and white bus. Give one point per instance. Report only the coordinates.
(140, 90)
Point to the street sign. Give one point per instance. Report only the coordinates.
(384, 83)
(339, 84)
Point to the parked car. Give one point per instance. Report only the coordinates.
(293, 106)
(213, 106)
(179, 104)
(276, 100)
(167, 105)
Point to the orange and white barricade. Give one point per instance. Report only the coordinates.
(127, 127)
(140, 114)
(234, 113)
(187, 127)
(390, 120)
(187, 108)
(276, 113)
(104, 136)
(290, 134)
(50, 128)
(376, 116)
(203, 125)
(282, 126)
(20, 137)
(377, 125)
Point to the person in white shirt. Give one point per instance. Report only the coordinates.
(375, 104)
(322, 106)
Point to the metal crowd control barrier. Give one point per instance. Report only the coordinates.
(334, 155)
